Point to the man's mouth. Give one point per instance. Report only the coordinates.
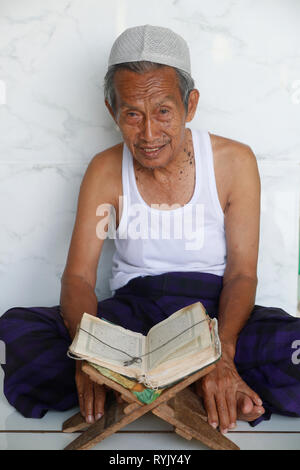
(151, 151)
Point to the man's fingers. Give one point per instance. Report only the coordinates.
(222, 412)
(231, 406)
(81, 403)
(211, 409)
(99, 401)
(80, 388)
(91, 396)
(89, 400)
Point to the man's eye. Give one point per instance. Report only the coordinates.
(131, 114)
(164, 111)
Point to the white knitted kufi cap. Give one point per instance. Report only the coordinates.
(151, 43)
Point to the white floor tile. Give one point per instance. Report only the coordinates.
(268, 441)
(12, 420)
(277, 423)
(247, 437)
(157, 441)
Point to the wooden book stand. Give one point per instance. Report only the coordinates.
(177, 405)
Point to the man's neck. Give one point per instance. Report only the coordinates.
(170, 172)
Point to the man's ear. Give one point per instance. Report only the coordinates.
(111, 112)
(192, 105)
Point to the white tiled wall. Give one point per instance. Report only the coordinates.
(53, 55)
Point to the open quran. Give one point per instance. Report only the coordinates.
(178, 346)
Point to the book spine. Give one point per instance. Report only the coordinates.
(146, 380)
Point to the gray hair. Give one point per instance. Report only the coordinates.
(185, 81)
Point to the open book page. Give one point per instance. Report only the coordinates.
(174, 368)
(203, 341)
(183, 351)
(107, 343)
(165, 338)
(170, 372)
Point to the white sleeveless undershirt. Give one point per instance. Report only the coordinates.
(151, 241)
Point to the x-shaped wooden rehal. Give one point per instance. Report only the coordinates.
(177, 405)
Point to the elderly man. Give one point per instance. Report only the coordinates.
(162, 169)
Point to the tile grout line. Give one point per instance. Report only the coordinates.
(139, 432)
(79, 432)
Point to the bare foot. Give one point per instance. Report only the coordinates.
(246, 409)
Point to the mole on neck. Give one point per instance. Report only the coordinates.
(177, 169)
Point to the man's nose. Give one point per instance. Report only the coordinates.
(149, 130)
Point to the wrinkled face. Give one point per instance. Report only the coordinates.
(151, 114)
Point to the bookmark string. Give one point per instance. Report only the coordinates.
(138, 359)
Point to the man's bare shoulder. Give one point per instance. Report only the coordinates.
(109, 159)
(103, 176)
(107, 165)
(232, 151)
(235, 167)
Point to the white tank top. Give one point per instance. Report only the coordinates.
(152, 241)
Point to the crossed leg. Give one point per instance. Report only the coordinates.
(264, 363)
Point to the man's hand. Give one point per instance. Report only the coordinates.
(91, 396)
(227, 397)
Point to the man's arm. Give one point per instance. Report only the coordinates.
(222, 388)
(242, 223)
(79, 278)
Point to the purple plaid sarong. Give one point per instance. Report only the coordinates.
(39, 376)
